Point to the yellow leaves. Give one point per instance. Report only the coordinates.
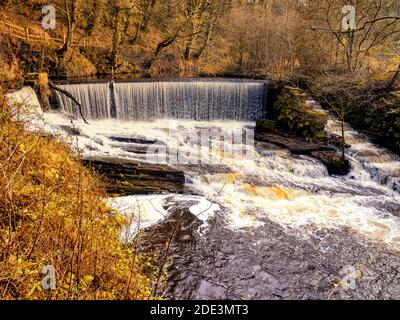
(22, 147)
(35, 291)
(59, 218)
(52, 174)
(88, 278)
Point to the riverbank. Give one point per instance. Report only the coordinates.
(368, 106)
(52, 213)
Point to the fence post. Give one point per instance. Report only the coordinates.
(27, 34)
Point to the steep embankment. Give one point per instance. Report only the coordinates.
(52, 213)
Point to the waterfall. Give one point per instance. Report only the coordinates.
(94, 98)
(25, 97)
(244, 212)
(184, 99)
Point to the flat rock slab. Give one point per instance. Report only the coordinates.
(294, 144)
(299, 146)
(124, 177)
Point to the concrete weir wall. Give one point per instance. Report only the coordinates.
(147, 99)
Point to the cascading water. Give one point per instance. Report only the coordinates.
(25, 97)
(95, 99)
(197, 100)
(271, 226)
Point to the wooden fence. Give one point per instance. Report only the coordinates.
(25, 34)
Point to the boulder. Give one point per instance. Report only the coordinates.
(269, 134)
(294, 144)
(294, 113)
(333, 161)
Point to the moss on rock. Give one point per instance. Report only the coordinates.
(292, 113)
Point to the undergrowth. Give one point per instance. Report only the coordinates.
(52, 213)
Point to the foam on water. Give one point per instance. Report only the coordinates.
(143, 211)
(369, 161)
(26, 105)
(296, 192)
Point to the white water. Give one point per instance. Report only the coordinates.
(143, 211)
(95, 99)
(295, 192)
(198, 100)
(24, 101)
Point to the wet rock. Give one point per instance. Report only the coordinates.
(266, 125)
(136, 149)
(336, 141)
(294, 112)
(209, 291)
(299, 146)
(294, 144)
(71, 130)
(334, 162)
(283, 264)
(132, 177)
(138, 140)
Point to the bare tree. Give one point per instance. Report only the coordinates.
(122, 12)
(72, 13)
(374, 26)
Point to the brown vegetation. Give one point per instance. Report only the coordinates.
(277, 39)
(52, 213)
(51, 208)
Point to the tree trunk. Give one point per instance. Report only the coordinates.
(207, 39)
(188, 49)
(343, 146)
(94, 19)
(349, 51)
(115, 41)
(71, 9)
(147, 15)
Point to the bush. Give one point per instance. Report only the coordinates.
(52, 213)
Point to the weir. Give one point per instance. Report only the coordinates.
(200, 99)
(238, 207)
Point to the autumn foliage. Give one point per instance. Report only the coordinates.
(52, 213)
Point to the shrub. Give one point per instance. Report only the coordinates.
(52, 213)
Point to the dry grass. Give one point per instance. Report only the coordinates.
(52, 213)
